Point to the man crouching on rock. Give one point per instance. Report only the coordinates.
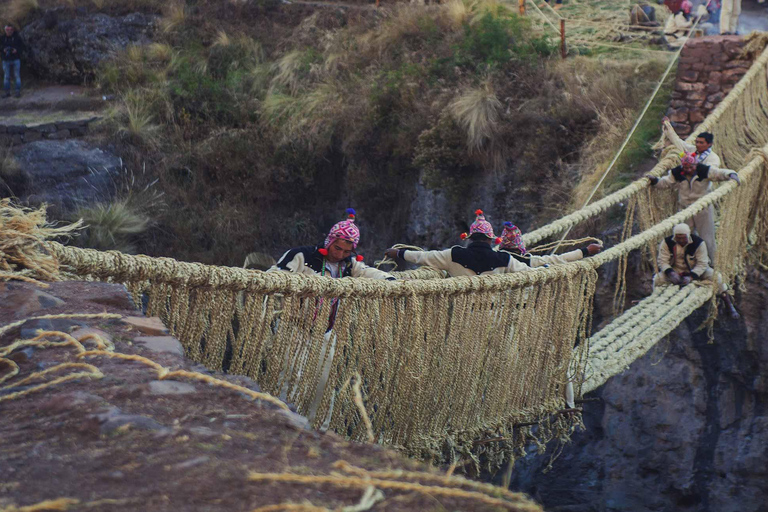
(334, 259)
(683, 258)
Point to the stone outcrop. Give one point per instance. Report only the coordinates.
(685, 428)
(69, 50)
(66, 173)
(708, 69)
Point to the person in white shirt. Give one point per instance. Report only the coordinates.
(683, 258)
(693, 181)
(512, 242)
(476, 259)
(702, 146)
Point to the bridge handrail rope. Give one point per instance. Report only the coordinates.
(728, 143)
(443, 362)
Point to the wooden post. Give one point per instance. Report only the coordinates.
(377, 4)
(563, 52)
(521, 5)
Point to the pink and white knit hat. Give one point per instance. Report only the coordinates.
(481, 226)
(688, 158)
(344, 230)
(512, 238)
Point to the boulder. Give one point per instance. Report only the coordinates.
(69, 49)
(67, 173)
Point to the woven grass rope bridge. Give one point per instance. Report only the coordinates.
(450, 369)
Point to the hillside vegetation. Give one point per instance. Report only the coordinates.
(261, 122)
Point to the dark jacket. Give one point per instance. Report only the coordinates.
(9, 44)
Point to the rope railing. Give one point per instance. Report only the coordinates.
(738, 124)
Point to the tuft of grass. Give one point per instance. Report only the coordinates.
(476, 110)
(160, 53)
(174, 16)
(13, 178)
(112, 226)
(137, 120)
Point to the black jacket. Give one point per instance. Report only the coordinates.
(8, 44)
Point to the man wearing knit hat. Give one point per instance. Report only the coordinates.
(693, 181)
(512, 242)
(683, 259)
(702, 146)
(478, 258)
(334, 258)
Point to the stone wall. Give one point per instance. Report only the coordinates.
(709, 67)
(22, 134)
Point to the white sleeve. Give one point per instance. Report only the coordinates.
(717, 174)
(675, 139)
(295, 264)
(517, 266)
(557, 259)
(666, 181)
(437, 259)
(360, 269)
(664, 257)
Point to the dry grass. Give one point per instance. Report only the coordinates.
(12, 177)
(112, 226)
(174, 16)
(137, 120)
(476, 110)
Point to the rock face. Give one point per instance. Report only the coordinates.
(709, 68)
(685, 428)
(66, 173)
(70, 50)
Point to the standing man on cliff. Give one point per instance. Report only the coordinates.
(11, 47)
(702, 147)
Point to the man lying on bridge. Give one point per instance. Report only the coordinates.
(512, 242)
(478, 258)
(334, 257)
(702, 147)
(683, 259)
(693, 181)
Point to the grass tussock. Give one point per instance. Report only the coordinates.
(14, 180)
(262, 131)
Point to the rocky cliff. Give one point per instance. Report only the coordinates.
(685, 428)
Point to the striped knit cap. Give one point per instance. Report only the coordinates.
(480, 225)
(688, 158)
(512, 239)
(344, 230)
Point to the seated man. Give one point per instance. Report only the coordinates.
(693, 181)
(478, 258)
(334, 257)
(683, 258)
(512, 242)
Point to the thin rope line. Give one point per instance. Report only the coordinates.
(632, 131)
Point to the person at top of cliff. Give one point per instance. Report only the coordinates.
(729, 17)
(512, 242)
(557, 7)
(683, 258)
(693, 181)
(478, 258)
(702, 146)
(11, 47)
(335, 257)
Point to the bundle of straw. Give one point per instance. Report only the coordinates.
(23, 254)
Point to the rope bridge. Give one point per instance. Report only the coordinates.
(459, 368)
